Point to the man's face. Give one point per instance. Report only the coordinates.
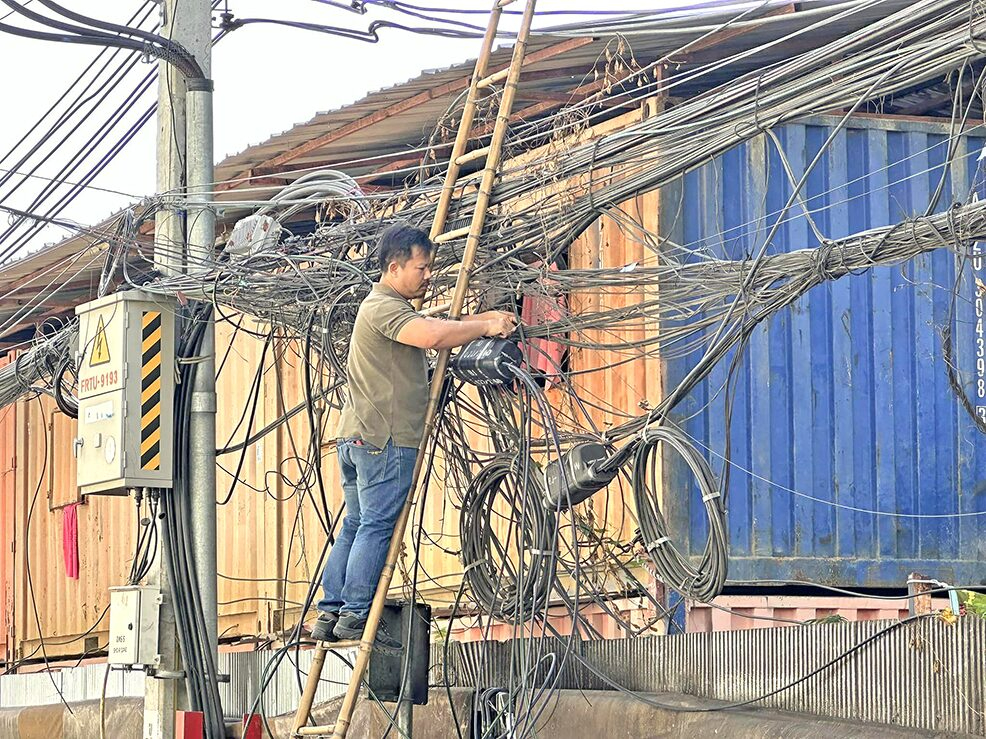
(412, 279)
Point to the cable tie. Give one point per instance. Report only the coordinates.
(709, 496)
(544, 552)
(657, 542)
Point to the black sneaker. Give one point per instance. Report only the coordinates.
(324, 625)
(350, 628)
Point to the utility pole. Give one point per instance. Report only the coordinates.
(201, 243)
(184, 159)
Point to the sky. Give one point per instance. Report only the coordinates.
(267, 78)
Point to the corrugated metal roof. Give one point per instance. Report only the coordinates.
(645, 42)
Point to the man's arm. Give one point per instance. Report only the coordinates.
(435, 333)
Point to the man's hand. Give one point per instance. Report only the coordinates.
(435, 333)
(498, 323)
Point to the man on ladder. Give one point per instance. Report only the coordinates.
(382, 424)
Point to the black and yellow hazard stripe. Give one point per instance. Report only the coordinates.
(150, 392)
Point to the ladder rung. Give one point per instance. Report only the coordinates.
(472, 155)
(493, 78)
(339, 644)
(316, 730)
(452, 235)
(435, 310)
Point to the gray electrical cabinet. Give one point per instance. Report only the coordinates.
(126, 368)
(134, 625)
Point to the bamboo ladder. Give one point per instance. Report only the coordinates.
(480, 82)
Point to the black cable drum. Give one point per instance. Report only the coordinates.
(706, 581)
(510, 577)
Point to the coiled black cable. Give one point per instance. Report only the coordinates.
(705, 581)
(510, 576)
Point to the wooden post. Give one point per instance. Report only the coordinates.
(919, 589)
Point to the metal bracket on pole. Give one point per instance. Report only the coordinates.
(163, 10)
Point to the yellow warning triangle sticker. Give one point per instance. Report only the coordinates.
(100, 346)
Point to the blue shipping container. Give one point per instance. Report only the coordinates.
(844, 396)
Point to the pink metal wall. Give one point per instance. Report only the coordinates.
(737, 612)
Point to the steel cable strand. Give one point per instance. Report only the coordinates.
(151, 44)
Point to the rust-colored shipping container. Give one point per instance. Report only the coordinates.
(47, 526)
(69, 550)
(270, 536)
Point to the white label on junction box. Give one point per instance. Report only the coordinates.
(101, 412)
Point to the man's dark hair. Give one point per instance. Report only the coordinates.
(397, 244)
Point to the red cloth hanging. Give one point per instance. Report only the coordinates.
(70, 539)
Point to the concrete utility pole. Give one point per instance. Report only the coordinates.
(184, 158)
(202, 425)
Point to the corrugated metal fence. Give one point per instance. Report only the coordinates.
(923, 675)
(74, 684)
(246, 672)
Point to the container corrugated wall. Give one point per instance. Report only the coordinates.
(844, 396)
(244, 536)
(613, 395)
(69, 612)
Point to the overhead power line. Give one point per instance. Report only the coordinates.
(92, 35)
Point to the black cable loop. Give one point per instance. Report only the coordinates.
(507, 596)
(705, 580)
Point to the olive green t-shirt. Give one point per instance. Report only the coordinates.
(388, 381)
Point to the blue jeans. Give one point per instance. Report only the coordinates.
(375, 483)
